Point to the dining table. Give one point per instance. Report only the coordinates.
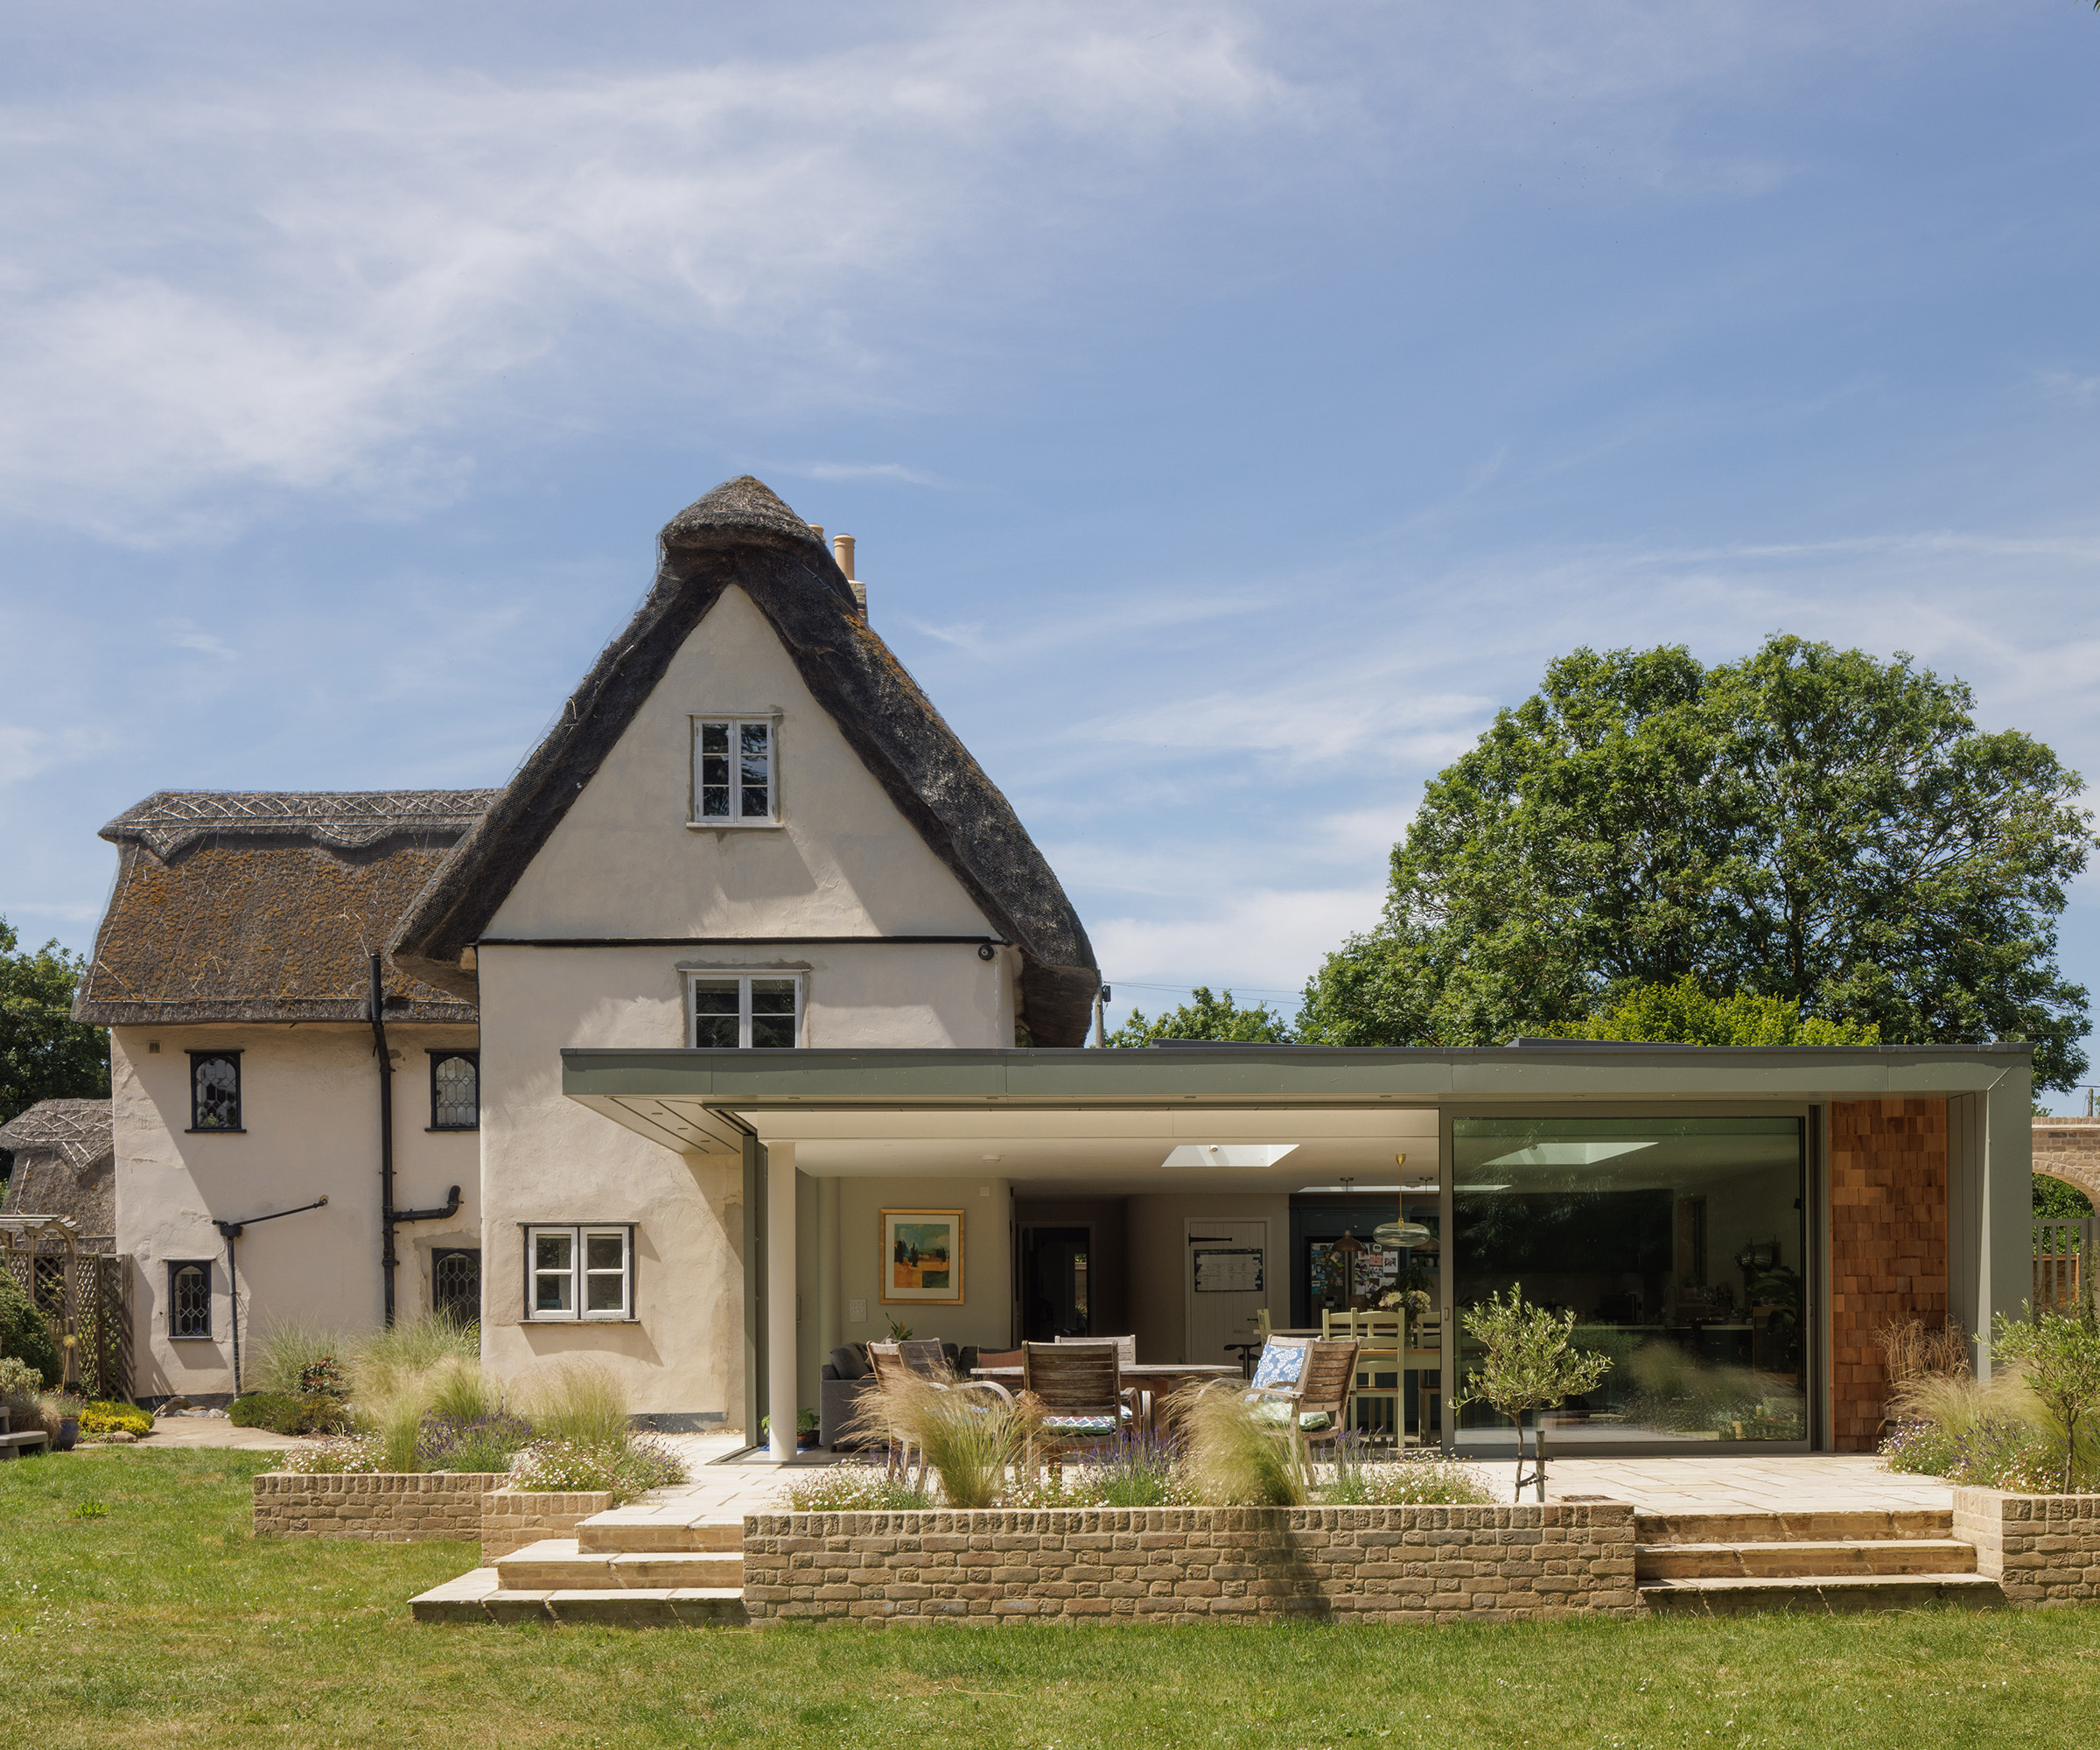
(1158, 1380)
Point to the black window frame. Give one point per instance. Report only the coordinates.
(438, 1054)
(438, 1255)
(239, 1124)
(176, 1266)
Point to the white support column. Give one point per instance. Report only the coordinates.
(782, 1393)
(830, 1329)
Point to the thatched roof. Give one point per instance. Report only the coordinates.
(65, 1163)
(77, 1129)
(741, 533)
(268, 905)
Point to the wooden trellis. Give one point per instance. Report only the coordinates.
(82, 1287)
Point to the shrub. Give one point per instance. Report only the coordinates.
(115, 1418)
(1990, 1434)
(1135, 1471)
(286, 1413)
(633, 1466)
(24, 1334)
(866, 1487)
(486, 1443)
(1235, 1457)
(21, 1384)
(287, 1352)
(2059, 1363)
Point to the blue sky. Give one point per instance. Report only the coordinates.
(1234, 404)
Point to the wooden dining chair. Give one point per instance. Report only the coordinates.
(1381, 1338)
(1316, 1406)
(1079, 1387)
(923, 1363)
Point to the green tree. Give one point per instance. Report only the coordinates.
(2059, 1358)
(2057, 1201)
(1205, 1017)
(1808, 824)
(45, 1054)
(1681, 1013)
(1528, 1360)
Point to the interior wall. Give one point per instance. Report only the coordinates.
(985, 1313)
(1888, 1246)
(1159, 1261)
(1108, 1264)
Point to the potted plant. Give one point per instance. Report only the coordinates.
(69, 1425)
(806, 1431)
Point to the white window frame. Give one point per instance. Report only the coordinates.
(697, 976)
(579, 1234)
(739, 820)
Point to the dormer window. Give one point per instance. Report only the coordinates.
(736, 771)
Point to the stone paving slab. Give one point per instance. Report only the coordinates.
(1787, 1482)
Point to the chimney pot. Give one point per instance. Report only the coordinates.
(841, 551)
(817, 529)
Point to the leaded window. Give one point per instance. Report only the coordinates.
(747, 1011)
(580, 1272)
(189, 1299)
(455, 1090)
(215, 1090)
(735, 774)
(456, 1284)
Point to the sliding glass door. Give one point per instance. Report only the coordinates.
(1678, 1244)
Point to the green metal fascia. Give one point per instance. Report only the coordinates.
(1287, 1075)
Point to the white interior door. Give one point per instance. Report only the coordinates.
(1227, 1281)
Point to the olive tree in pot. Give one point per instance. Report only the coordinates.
(1529, 1362)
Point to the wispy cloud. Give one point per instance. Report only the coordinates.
(862, 471)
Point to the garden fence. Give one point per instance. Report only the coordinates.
(2061, 1248)
(85, 1294)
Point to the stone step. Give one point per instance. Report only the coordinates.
(1808, 1526)
(1804, 1560)
(556, 1564)
(1822, 1597)
(476, 1597)
(641, 1527)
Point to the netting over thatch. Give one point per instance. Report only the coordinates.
(77, 1129)
(240, 906)
(65, 1164)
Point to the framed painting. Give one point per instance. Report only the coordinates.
(922, 1257)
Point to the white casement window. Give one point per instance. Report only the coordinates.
(736, 771)
(747, 1011)
(579, 1271)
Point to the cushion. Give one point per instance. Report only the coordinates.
(1277, 1412)
(851, 1363)
(1081, 1424)
(1280, 1364)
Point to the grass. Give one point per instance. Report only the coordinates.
(162, 1621)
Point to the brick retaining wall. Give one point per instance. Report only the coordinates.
(385, 1507)
(1191, 1564)
(512, 1518)
(2041, 1549)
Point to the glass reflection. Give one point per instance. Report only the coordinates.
(1677, 1243)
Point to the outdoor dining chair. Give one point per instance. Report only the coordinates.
(921, 1362)
(1381, 1337)
(1079, 1387)
(1314, 1403)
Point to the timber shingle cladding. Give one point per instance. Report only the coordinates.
(1888, 1246)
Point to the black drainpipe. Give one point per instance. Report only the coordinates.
(390, 1218)
(230, 1231)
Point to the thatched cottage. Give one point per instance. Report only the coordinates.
(746, 1019)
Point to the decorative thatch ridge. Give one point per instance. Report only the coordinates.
(741, 533)
(78, 1130)
(240, 906)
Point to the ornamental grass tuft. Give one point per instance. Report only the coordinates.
(1232, 1456)
(969, 1436)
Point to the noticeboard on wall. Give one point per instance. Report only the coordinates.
(1229, 1269)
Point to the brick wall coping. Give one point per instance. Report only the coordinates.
(1066, 1521)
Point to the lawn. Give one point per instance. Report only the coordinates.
(136, 1609)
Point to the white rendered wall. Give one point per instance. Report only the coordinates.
(623, 864)
(309, 1110)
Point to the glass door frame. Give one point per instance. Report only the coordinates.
(1815, 1276)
